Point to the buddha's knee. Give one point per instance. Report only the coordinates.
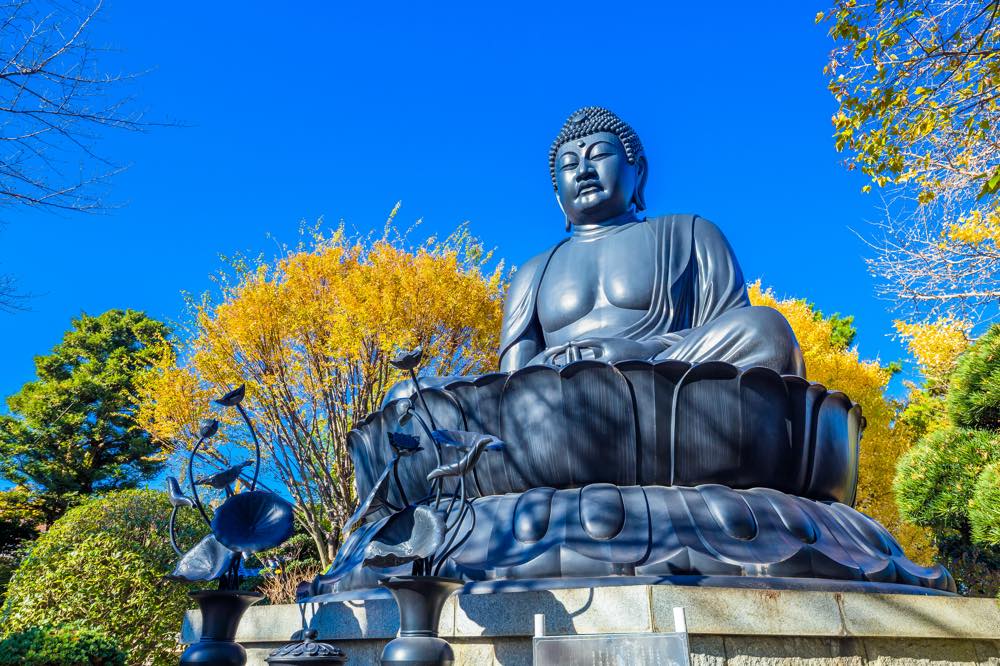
(770, 329)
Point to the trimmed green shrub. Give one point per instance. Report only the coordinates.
(101, 564)
(984, 509)
(66, 645)
(974, 392)
(936, 478)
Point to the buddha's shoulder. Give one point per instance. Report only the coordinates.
(696, 225)
(531, 269)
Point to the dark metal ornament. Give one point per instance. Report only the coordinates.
(420, 600)
(207, 561)
(307, 652)
(220, 480)
(409, 535)
(253, 521)
(234, 397)
(221, 611)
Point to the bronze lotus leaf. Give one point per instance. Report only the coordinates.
(234, 397)
(407, 360)
(208, 428)
(414, 533)
(253, 521)
(351, 554)
(473, 443)
(208, 560)
(177, 498)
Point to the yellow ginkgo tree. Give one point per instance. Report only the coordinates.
(832, 361)
(311, 335)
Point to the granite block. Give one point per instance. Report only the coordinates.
(752, 612)
(571, 611)
(902, 615)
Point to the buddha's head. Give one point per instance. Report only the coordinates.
(598, 167)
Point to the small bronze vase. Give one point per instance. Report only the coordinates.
(420, 600)
(221, 611)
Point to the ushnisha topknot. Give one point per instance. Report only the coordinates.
(591, 119)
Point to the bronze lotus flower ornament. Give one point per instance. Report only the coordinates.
(247, 522)
(408, 360)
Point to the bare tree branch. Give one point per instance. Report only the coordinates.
(55, 103)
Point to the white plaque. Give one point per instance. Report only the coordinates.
(612, 650)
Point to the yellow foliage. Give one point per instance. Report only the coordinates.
(936, 345)
(976, 228)
(311, 335)
(864, 381)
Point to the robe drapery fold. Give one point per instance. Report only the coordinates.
(697, 280)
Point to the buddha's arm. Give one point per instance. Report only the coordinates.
(521, 337)
(719, 284)
(522, 351)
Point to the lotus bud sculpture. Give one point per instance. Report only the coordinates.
(409, 361)
(247, 522)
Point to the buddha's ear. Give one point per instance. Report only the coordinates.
(569, 225)
(641, 171)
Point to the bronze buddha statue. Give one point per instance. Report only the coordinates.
(655, 426)
(625, 287)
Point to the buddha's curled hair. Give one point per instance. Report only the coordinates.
(591, 119)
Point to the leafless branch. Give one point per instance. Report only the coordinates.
(55, 103)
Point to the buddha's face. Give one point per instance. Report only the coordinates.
(594, 179)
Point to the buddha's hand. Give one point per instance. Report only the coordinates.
(609, 350)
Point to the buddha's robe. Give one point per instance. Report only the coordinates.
(699, 308)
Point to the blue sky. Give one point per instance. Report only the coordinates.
(294, 111)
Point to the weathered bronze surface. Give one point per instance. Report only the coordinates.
(653, 422)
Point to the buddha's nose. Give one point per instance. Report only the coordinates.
(585, 171)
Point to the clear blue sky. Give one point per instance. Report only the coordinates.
(301, 110)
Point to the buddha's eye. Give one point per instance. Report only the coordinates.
(568, 161)
(601, 149)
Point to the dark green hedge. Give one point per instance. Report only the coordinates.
(66, 645)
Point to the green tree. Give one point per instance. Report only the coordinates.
(71, 432)
(101, 565)
(974, 394)
(949, 481)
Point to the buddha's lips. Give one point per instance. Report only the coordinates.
(587, 188)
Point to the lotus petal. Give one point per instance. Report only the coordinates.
(208, 560)
(208, 428)
(234, 397)
(407, 360)
(414, 533)
(253, 521)
(403, 444)
(177, 498)
(377, 498)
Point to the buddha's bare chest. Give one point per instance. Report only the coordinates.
(598, 284)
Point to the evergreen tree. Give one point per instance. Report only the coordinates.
(71, 432)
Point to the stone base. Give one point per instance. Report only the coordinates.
(727, 626)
